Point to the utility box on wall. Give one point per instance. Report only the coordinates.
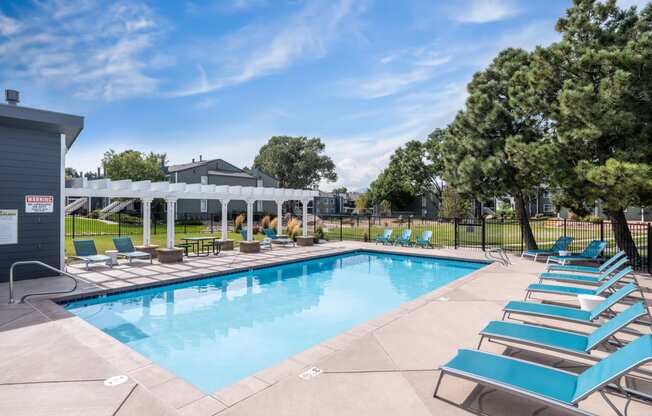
(33, 145)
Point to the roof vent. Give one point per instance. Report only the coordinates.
(12, 97)
(193, 160)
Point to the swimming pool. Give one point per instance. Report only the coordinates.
(215, 331)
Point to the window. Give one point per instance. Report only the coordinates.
(547, 208)
(204, 180)
(204, 205)
(545, 194)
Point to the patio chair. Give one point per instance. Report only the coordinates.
(586, 269)
(562, 340)
(561, 244)
(86, 251)
(551, 386)
(243, 234)
(565, 313)
(126, 249)
(606, 287)
(404, 239)
(271, 234)
(424, 240)
(582, 278)
(590, 253)
(386, 238)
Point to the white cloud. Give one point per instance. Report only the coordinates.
(414, 65)
(9, 26)
(360, 158)
(98, 51)
(261, 50)
(485, 11)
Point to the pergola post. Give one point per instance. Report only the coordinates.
(250, 219)
(171, 208)
(304, 204)
(225, 219)
(279, 216)
(147, 220)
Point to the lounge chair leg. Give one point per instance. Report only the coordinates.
(480, 343)
(504, 314)
(610, 403)
(527, 295)
(441, 375)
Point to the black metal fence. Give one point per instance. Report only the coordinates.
(481, 234)
(484, 234)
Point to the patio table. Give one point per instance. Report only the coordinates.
(203, 245)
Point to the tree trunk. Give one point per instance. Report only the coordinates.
(524, 220)
(623, 235)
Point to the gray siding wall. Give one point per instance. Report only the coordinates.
(30, 164)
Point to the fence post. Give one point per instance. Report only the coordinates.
(369, 228)
(484, 233)
(455, 232)
(211, 215)
(340, 228)
(119, 224)
(185, 225)
(601, 230)
(73, 224)
(565, 227)
(409, 222)
(649, 247)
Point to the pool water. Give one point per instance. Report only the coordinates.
(215, 331)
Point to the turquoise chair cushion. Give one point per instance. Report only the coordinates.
(84, 248)
(553, 311)
(520, 375)
(565, 290)
(632, 355)
(123, 244)
(538, 335)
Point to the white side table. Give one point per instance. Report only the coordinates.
(589, 302)
(113, 254)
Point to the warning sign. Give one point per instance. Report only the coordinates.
(39, 204)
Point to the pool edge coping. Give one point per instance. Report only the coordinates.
(263, 379)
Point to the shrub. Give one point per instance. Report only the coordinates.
(294, 228)
(239, 220)
(319, 232)
(274, 224)
(592, 218)
(255, 229)
(265, 221)
(505, 214)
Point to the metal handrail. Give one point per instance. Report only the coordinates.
(38, 263)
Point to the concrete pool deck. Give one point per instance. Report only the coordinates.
(55, 363)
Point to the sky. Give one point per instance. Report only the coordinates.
(218, 78)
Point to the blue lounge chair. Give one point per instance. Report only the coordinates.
(586, 269)
(590, 253)
(386, 238)
(562, 243)
(560, 340)
(569, 313)
(404, 239)
(86, 251)
(126, 249)
(271, 235)
(606, 287)
(582, 278)
(551, 386)
(424, 240)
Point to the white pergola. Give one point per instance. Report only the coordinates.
(146, 191)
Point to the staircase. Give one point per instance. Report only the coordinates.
(113, 207)
(75, 205)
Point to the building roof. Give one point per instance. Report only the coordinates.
(186, 166)
(230, 174)
(18, 116)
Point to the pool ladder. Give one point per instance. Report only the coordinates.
(499, 255)
(38, 263)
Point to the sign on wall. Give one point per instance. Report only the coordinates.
(39, 204)
(8, 226)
